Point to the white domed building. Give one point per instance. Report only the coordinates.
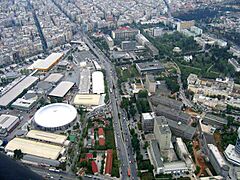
(54, 117)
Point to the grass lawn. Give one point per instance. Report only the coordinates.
(147, 176)
(110, 141)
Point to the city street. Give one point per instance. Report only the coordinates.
(122, 135)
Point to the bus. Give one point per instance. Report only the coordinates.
(129, 172)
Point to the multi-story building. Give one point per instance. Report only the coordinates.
(166, 101)
(217, 161)
(152, 49)
(125, 33)
(109, 41)
(150, 83)
(148, 122)
(173, 114)
(215, 121)
(185, 25)
(162, 133)
(149, 67)
(235, 64)
(141, 39)
(128, 45)
(179, 129)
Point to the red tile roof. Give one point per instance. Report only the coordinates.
(89, 156)
(123, 28)
(108, 167)
(100, 131)
(94, 167)
(82, 159)
(101, 142)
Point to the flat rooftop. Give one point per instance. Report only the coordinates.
(61, 89)
(17, 90)
(87, 99)
(84, 83)
(156, 153)
(7, 120)
(182, 127)
(34, 148)
(46, 136)
(54, 77)
(166, 101)
(216, 153)
(231, 155)
(214, 119)
(146, 66)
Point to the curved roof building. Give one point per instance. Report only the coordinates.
(57, 116)
(97, 82)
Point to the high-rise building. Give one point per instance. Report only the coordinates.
(150, 83)
(148, 122)
(162, 133)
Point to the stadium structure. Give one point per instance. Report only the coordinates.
(54, 117)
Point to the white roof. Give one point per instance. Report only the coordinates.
(97, 82)
(217, 154)
(55, 115)
(35, 148)
(7, 120)
(46, 136)
(61, 89)
(97, 66)
(182, 146)
(148, 116)
(45, 64)
(13, 93)
(24, 103)
(55, 77)
(87, 99)
(84, 81)
(231, 154)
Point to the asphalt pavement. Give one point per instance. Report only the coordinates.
(121, 131)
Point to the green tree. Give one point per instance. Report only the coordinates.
(197, 170)
(146, 144)
(17, 154)
(70, 57)
(132, 110)
(143, 94)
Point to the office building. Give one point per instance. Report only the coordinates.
(152, 49)
(150, 83)
(109, 41)
(184, 154)
(162, 133)
(179, 129)
(166, 101)
(141, 39)
(185, 25)
(149, 67)
(128, 45)
(173, 114)
(148, 122)
(217, 161)
(215, 121)
(125, 33)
